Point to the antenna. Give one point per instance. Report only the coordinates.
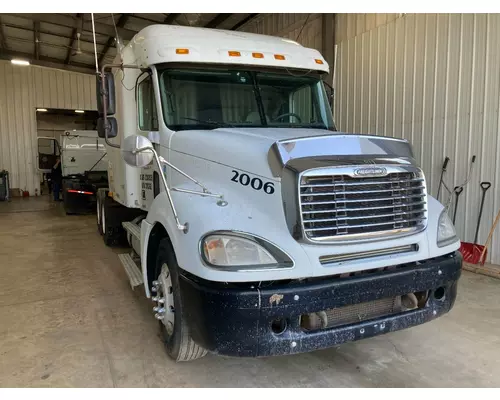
(118, 39)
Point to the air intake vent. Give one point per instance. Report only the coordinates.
(362, 202)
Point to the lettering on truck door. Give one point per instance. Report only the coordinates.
(146, 180)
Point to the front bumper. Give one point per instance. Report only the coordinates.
(237, 322)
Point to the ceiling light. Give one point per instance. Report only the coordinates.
(19, 62)
(41, 109)
(79, 111)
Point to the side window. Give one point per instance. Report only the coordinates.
(148, 119)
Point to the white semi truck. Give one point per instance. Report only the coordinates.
(256, 228)
(83, 166)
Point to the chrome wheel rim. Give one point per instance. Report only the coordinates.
(164, 299)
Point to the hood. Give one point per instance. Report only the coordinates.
(245, 149)
(266, 151)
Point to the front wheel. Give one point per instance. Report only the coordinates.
(169, 310)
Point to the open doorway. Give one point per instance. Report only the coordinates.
(51, 124)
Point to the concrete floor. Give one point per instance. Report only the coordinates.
(68, 318)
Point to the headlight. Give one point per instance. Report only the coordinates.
(446, 231)
(227, 250)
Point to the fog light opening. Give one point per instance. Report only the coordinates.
(439, 293)
(278, 326)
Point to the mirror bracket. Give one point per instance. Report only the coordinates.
(134, 145)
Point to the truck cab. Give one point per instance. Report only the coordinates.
(254, 225)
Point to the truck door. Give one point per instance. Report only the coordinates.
(48, 151)
(147, 126)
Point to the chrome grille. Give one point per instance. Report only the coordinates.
(339, 205)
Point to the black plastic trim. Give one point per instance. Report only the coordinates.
(237, 321)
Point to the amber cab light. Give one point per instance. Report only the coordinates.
(279, 56)
(182, 51)
(234, 53)
(257, 55)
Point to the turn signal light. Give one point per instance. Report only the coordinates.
(182, 51)
(234, 53)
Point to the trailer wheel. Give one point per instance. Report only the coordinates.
(174, 330)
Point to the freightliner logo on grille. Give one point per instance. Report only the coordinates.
(370, 171)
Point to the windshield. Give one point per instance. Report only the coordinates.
(214, 98)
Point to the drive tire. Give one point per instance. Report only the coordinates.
(107, 232)
(179, 345)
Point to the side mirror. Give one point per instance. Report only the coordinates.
(109, 91)
(137, 151)
(111, 127)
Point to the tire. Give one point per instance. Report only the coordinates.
(179, 344)
(107, 233)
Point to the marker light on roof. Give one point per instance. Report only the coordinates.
(182, 51)
(279, 56)
(258, 55)
(234, 53)
(318, 61)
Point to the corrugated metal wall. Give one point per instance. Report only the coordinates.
(289, 26)
(433, 79)
(22, 90)
(350, 25)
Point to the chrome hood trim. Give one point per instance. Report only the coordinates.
(305, 153)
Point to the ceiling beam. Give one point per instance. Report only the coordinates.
(171, 18)
(244, 21)
(36, 38)
(3, 43)
(78, 23)
(145, 19)
(219, 19)
(120, 24)
(69, 22)
(44, 32)
(47, 62)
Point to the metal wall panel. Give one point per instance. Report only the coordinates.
(348, 26)
(22, 90)
(289, 26)
(433, 79)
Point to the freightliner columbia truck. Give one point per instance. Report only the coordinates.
(256, 228)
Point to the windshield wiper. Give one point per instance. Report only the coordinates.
(218, 124)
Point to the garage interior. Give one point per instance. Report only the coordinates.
(68, 315)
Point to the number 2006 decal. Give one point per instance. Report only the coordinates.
(255, 183)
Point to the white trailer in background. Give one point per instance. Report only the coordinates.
(257, 228)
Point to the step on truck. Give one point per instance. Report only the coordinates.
(255, 227)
